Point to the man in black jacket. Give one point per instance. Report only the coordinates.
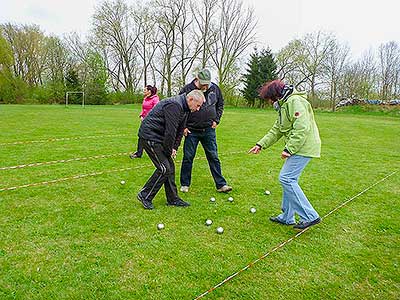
(160, 135)
(200, 127)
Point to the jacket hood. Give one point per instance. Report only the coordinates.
(291, 91)
(299, 93)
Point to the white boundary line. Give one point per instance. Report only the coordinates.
(69, 160)
(62, 139)
(70, 178)
(63, 161)
(242, 269)
(289, 240)
(82, 176)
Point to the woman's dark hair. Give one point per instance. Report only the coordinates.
(272, 90)
(152, 89)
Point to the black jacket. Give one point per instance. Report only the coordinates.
(210, 111)
(165, 123)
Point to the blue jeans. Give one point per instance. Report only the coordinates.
(294, 200)
(208, 140)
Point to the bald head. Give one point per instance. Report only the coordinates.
(195, 100)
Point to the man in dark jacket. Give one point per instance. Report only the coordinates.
(200, 127)
(160, 135)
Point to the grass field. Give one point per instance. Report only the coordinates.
(89, 238)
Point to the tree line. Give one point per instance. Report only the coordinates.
(164, 42)
(319, 63)
(322, 64)
(158, 42)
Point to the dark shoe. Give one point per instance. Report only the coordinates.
(304, 225)
(146, 203)
(134, 155)
(178, 202)
(277, 220)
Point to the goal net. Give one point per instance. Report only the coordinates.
(71, 99)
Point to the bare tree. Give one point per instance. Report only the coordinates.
(77, 48)
(334, 66)
(117, 35)
(56, 61)
(367, 72)
(289, 61)
(389, 60)
(286, 59)
(6, 55)
(204, 14)
(27, 43)
(396, 89)
(314, 50)
(170, 14)
(78, 51)
(359, 78)
(189, 44)
(145, 17)
(236, 32)
(7, 79)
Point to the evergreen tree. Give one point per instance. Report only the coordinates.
(251, 82)
(260, 69)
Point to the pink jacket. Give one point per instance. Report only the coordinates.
(148, 104)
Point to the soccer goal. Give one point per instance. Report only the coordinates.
(71, 93)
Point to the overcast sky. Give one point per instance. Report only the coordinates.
(361, 24)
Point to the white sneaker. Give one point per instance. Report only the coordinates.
(224, 189)
(184, 189)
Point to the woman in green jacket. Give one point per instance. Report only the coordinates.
(296, 124)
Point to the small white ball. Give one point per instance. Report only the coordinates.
(220, 230)
(253, 210)
(160, 226)
(208, 222)
(212, 199)
(230, 199)
(122, 182)
(267, 192)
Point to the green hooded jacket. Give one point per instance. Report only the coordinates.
(296, 124)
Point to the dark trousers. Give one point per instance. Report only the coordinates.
(163, 175)
(139, 151)
(208, 140)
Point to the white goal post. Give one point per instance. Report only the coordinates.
(69, 93)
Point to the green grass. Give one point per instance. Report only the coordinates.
(90, 238)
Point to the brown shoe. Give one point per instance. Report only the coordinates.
(224, 189)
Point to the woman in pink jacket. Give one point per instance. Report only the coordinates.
(150, 100)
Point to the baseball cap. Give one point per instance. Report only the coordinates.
(204, 77)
